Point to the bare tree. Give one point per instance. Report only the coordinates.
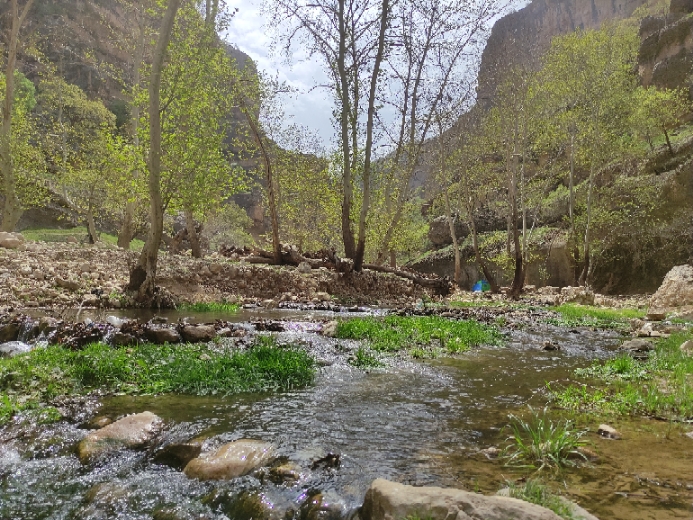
(12, 209)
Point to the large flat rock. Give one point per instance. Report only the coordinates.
(133, 431)
(387, 500)
(231, 460)
(676, 291)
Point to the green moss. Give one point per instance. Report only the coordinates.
(395, 333)
(662, 386)
(572, 315)
(364, 358)
(44, 374)
(210, 307)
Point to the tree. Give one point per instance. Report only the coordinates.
(658, 110)
(12, 207)
(143, 275)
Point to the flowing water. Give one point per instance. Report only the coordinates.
(419, 423)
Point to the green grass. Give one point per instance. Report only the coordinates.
(539, 442)
(364, 358)
(210, 307)
(537, 493)
(46, 373)
(572, 315)
(395, 333)
(661, 386)
(80, 233)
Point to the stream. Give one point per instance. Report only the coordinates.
(420, 423)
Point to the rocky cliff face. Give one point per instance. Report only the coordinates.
(520, 38)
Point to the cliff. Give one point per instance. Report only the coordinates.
(520, 38)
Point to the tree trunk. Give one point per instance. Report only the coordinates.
(518, 278)
(453, 235)
(91, 227)
(586, 247)
(393, 259)
(361, 246)
(193, 237)
(12, 209)
(345, 117)
(666, 136)
(143, 275)
(127, 228)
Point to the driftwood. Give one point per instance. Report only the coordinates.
(329, 259)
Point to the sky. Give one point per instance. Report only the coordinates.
(312, 105)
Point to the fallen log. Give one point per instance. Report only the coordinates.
(441, 286)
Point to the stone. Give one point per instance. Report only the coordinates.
(98, 422)
(11, 240)
(387, 500)
(689, 435)
(47, 324)
(13, 348)
(608, 432)
(178, 454)
(9, 332)
(656, 316)
(323, 506)
(549, 290)
(121, 339)
(216, 268)
(577, 512)
(330, 329)
(231, 460)
(637, 345)
(579, 295)
(676, 290)
(161, 335)
(491, 453)
(550, 345)
(304, 267)
(687, 347)
(25, 270)
(133, 431)
(70, 285)
(198, 333)
(288, 472)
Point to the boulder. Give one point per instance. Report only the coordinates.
(198, 333)
(439, 231)
(161, 335)
(387, 500)
(11, 240)
(178, 454)
(637, 345)
(13, 348)
(330, 329)
(577, 512)
(676, 290)
(133, 431)
(231, 460)
(9, 331)
(579, 295)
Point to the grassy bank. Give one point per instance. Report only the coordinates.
(210, 307)
(80, 233)
(661, 386)
(44, 374)
(395, 333)
(572, 315)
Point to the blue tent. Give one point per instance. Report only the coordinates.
(481, 286)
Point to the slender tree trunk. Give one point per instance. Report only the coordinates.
(495, 289)
(588, 238)
(393, 259)
(666, 136)
(571, 208)
(518, 279)
(127, 228)
(361, 246)
(453, 235)
(12, 209)
(345, 119)
(193, 238)
(143, 275)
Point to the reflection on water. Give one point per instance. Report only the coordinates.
(422, 425)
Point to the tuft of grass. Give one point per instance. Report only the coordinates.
(395, 333)
(539, 442)
(363, 358)
(573, 315)
(42, 375)
(80, 233)
(535, 492)
(210, 307)
(661, 386)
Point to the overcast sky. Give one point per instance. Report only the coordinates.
(311, 107)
